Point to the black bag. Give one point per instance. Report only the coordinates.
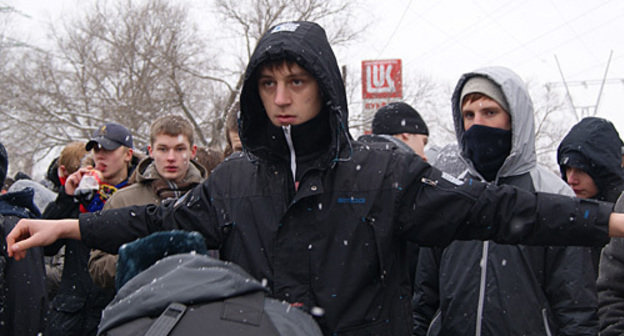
(193, 294)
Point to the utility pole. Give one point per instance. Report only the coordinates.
(590, 110)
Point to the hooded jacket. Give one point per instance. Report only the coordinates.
(23, 297)
(597, 142)
(149, 188)
(197, 280)
(483, 288)
(337, 242)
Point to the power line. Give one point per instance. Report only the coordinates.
(396, 28)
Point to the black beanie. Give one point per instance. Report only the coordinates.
(4, 163)
(398, 117)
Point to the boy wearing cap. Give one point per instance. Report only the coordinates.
(484, 288)
(402, 125)
(76, 308)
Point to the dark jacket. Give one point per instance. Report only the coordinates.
(23, 298)
(76, 308)
(337, 242)
(597, 143)
(483, 288)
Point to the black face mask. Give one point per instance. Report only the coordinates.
(487, 148)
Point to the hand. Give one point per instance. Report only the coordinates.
(73, 180)
(39, 232)
(616, 225)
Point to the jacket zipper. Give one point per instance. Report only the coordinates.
(293, 156)
(546, 326)
(484, 263)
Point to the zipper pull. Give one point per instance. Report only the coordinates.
(429, 181)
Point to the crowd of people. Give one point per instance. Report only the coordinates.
(373, 236)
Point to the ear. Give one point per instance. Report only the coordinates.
(403, 136)
(193, 151)
(61, 171)
(149, 151)
(128, 156)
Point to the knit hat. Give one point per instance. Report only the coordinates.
(4, 163)
(484, 85)
(110, 137)
(398, 117)
(574, 159)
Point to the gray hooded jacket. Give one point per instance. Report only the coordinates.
(520, 290)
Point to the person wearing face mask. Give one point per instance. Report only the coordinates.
(484, 288)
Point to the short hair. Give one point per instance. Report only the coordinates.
(209, 158)
(172, 125)
(71, 156)
(278, 63)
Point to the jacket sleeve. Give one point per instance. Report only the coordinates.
(570, 286)
(102, 268)
(611, 288)
(437, 209)
(108, 230)
(425, 302)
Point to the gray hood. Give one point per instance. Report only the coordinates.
(522, 158)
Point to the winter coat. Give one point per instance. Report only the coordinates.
(518, 289)
(595, 147)
(337, 242)
(102, 265)
(389, 142)
(76, 308)
(23, 297)
(610, 285)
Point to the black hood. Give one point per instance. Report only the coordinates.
(594, 146)
(306, 44)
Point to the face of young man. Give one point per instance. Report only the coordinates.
(582, 184)
(485, 112)
(172, 155)
(289, 93)
(416, 142)
(113, 164)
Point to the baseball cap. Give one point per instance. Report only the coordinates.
(110, 137)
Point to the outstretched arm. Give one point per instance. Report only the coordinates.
(39, 232)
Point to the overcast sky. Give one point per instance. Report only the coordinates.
(445, 38)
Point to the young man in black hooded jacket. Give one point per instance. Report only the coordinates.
(589, 157)
(322, 218)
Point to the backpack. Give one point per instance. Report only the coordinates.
(193, 294)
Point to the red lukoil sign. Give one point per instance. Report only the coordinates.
(381, 79)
